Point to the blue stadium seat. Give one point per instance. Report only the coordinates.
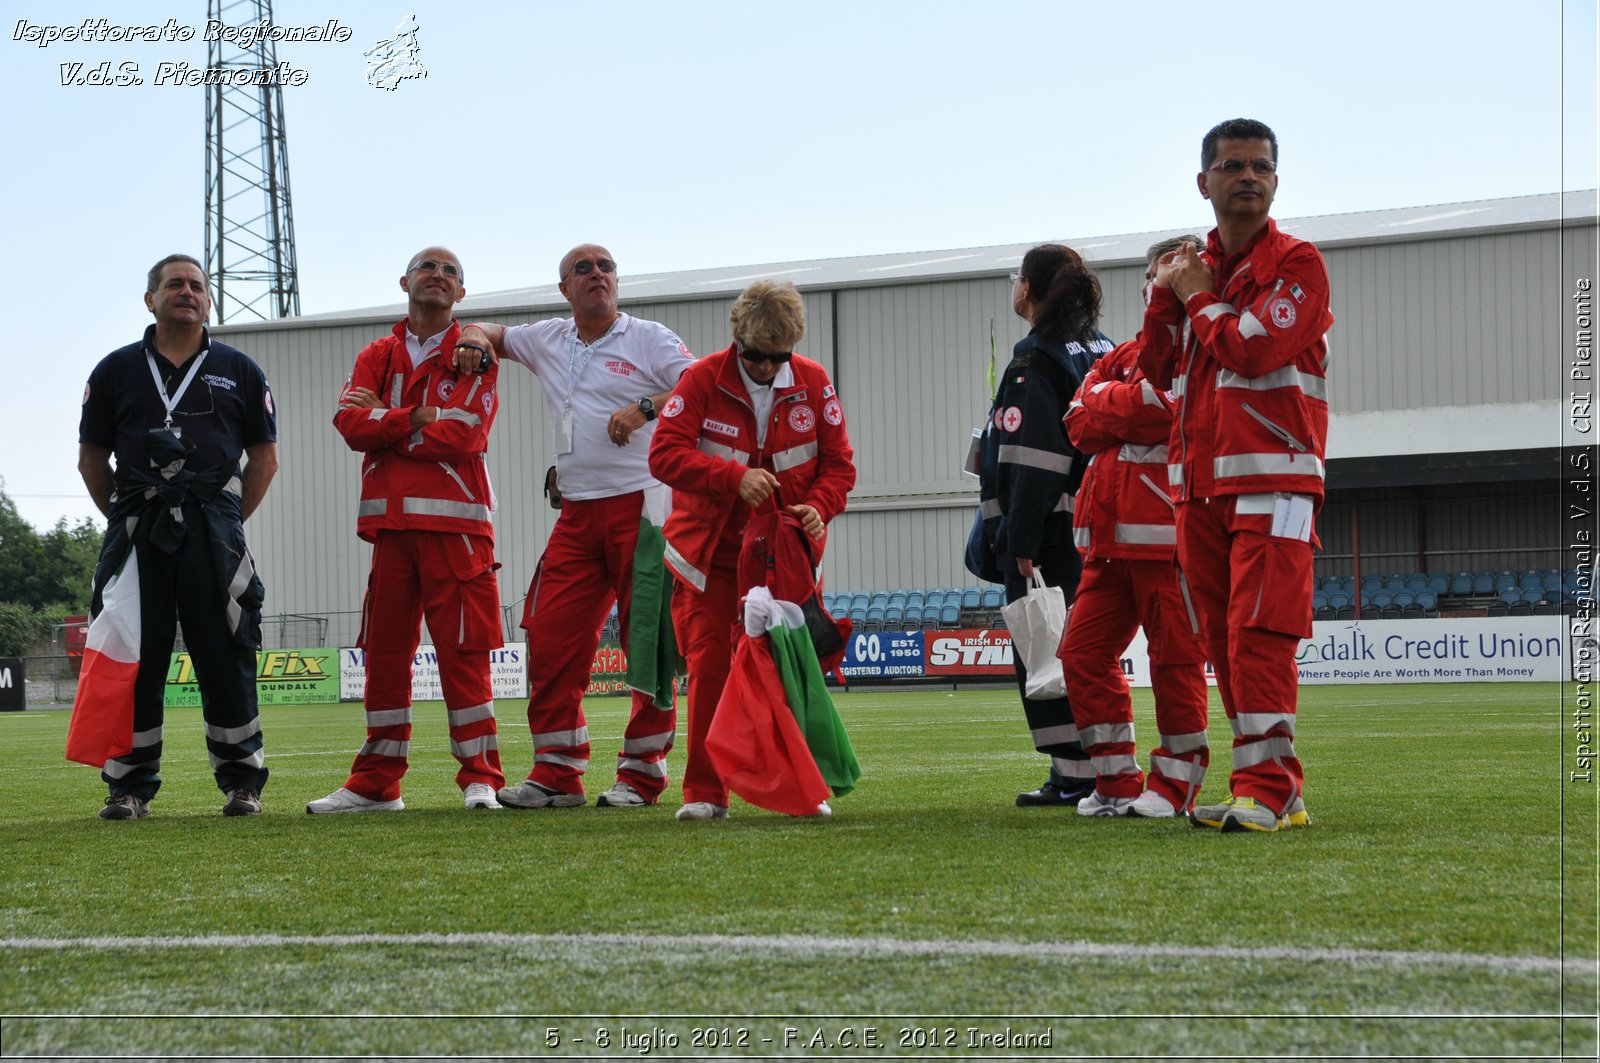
(993, 598)
(1483, 583)
(1395, 584)
(1338, 601)
(1461, 583)
(859, 600)
(1417, 581)
(1428, 600)
(879, 600)
(1404, 598)
(1510, 594)
(1519, 608)
(1377, 600)
(913, 617)
(897, 599)
(894, 616)
(971, 598)
(1438, 583)
(1505, 581)
(1533, 597)
(1319, 599)
(950, 614)
(916, 598)
(1371, 583)
(1551, 581)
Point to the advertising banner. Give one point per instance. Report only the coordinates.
(507, 670)
(968, 652)
(1501, 649)
(883, 655)
(307, 676)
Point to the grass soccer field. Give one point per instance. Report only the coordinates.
(1443, 903)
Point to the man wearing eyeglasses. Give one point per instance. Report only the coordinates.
(422, 428)
(1238, 334)
(746, 423)
(604, 374)
(178, 409)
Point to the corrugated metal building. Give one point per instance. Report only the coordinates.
(1446, 385)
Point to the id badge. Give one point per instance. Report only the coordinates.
(970, 466)
(1292, 517)
(564, 432)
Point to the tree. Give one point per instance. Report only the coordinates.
(53, 572)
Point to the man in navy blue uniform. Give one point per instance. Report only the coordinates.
(179, 410)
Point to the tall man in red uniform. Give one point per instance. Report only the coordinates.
(422, 428)
(1124, 527)
(1237, 333)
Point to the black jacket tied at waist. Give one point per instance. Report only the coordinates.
(158, 506)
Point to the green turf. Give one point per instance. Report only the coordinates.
(1444, 823)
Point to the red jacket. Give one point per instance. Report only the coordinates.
(431, 478)
(1248, 369)
(707, 439)
(1123, 507)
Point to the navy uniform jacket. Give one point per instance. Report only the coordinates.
(1028, 469)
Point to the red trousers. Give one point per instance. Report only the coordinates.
(587, 565)
(450, 579)
(1115, 598)
(704, 622)
(1252, 591)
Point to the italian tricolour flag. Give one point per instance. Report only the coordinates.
(102, 711)
(776, 739)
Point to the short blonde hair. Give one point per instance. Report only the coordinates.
(769, 316)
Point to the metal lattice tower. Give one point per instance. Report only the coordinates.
(249, 222)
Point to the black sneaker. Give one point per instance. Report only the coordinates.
(125, 806)
(1053, 795)
(242, 802)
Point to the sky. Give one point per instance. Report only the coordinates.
(695, 135)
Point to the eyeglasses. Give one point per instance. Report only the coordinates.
(761, 356)
(1014, 276)
(585, 266)
(1235, 167)
(428, 265)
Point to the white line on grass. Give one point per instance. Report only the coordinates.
(865, 948)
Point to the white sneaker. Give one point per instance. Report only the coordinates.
(479, 795)
(823, 810)
(621, 796)
(342, 800)
(1151, 805)
(529, 794)
(1097, 804)
(702, 810)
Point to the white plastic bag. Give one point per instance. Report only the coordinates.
(1036, 622)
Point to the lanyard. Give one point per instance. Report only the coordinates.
(574, 370)
(155, 374)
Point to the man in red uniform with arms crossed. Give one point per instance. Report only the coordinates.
(422, 428)
(1237, 333)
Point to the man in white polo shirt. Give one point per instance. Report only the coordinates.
(604, 374)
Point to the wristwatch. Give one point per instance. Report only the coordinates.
(647, 406)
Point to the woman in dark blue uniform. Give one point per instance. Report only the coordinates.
(1029, 472)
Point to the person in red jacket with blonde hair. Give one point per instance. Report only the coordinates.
(1123, 526)
(1238, 332)
(422, 429)
(744, 425)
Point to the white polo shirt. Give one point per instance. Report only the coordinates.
(636, 358)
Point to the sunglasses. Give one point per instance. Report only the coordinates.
(428, 265)
(763, 356)
(585, 266)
